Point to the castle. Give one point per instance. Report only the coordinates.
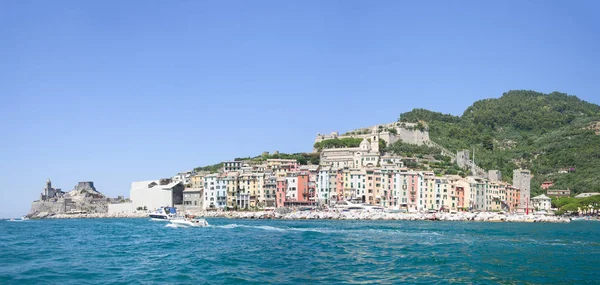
(390, 133)
(50, 193)
(83, 198)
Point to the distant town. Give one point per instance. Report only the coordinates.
(361, 174)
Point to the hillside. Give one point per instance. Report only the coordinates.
(542, 132)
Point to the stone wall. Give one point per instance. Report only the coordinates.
(405, 132)
(57, 206)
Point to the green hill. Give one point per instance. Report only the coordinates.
(541, 132)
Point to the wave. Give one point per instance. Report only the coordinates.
(175, 226)
(328, 230)
(233, 226)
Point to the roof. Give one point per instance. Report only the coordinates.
(144, 184)
(541, 197)
(583, 195)
(192, 190)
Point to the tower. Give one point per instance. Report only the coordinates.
(522, 180)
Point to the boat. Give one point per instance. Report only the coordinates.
(346, 205)
(372, 208)
(193, 222)
(19, 219)
(163, 214)
(580, 218)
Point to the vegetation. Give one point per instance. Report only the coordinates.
(302, 158)
(338, 143)
(210, 168)
(586, 205)
(406, 149)
(540, 132)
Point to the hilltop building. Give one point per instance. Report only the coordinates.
(495, 175)
(50, 193)
(558, 193)
(366, 155)
(390, 133)
(547, 184)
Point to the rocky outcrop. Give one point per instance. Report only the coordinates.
(84, 198)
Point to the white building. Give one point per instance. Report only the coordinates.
(292, 186)
(215, 191)
(357, 184)
(541, 202)
(183, 177)
(325, 184)
(153, 194)
(366, 155)
(121, 208)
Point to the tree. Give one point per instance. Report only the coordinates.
(488, 143)
(382, 146)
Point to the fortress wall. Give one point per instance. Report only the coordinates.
(48, 206)
(408, 136)
(413, 137)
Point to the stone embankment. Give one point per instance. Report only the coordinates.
(333, 215)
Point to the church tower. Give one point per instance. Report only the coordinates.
(375, 143)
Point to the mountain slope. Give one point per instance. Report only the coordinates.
(541, 132)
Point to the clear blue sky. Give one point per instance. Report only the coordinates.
(119, 91)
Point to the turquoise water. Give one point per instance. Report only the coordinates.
(138, 251)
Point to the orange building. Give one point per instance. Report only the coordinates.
(303, 190)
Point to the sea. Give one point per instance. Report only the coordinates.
(140, 251)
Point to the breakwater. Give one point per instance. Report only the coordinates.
(345, 215)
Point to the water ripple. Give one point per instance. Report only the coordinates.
(135, 251)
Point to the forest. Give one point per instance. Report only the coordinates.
(545, 133)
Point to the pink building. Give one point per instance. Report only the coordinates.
(460, 194)
(547, 184)
(280, 195)
(412, 183)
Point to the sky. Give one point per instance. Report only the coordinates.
(121, 91)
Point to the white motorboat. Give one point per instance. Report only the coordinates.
(19, 219)
(370, 207)
(347, 205)
(163, 214)
(195, 222)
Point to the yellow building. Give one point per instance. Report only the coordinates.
(232, 188)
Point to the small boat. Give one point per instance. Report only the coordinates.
(580, 219)
(163, 214)
(194, 222)
(19, 219)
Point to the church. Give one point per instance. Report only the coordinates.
(365, 155)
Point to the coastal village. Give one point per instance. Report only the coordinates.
(361, 175)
